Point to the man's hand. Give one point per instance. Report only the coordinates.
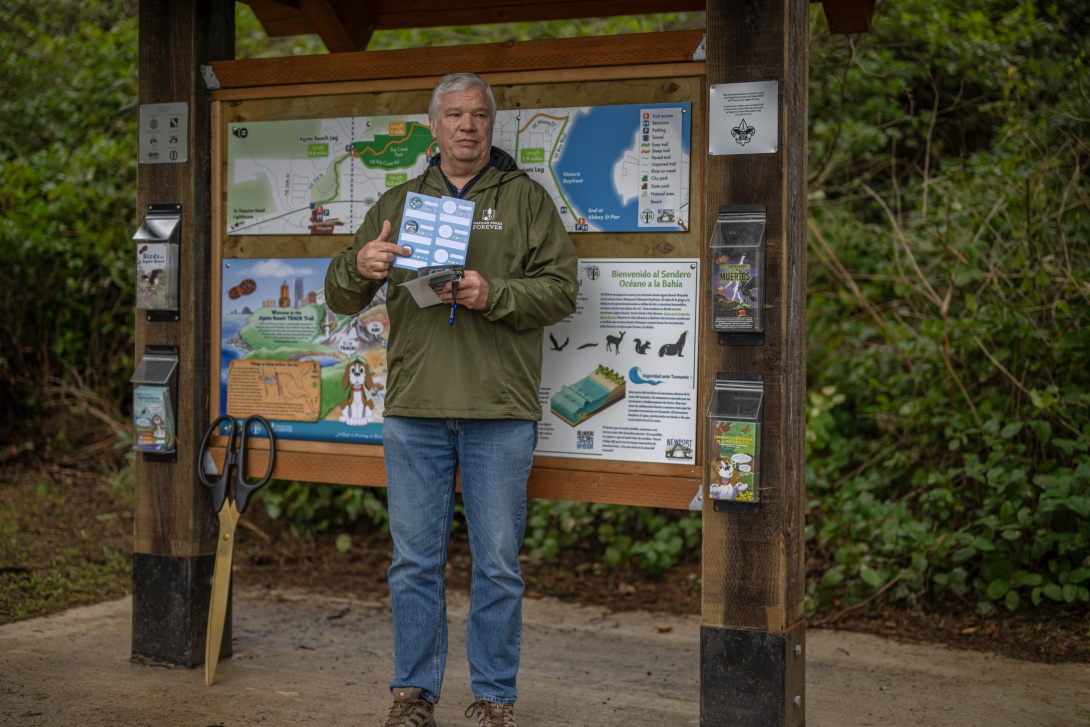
(472, 291)
(374, 259)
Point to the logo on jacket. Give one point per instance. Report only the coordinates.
(488, 221)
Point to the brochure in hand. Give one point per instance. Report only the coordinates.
(435, 230)
(430, 281)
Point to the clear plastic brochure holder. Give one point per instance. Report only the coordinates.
(738, 274)
(735, 415)
(157, 261)
(155, 386)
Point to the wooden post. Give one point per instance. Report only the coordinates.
(753, 627)
(175, 528)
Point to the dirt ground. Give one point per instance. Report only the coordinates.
(304, 658)
(624, 643)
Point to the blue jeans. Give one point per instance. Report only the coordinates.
(422, 459)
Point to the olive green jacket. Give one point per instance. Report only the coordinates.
(488, 364)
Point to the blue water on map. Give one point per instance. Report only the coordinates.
(595, 143)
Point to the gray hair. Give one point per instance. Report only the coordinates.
(455, 83)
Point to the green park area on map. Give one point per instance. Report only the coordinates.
(394, 152)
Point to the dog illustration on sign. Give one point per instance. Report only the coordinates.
(358, 409)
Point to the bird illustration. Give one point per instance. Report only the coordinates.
(558, 346)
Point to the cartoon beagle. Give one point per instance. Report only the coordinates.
(358, 409)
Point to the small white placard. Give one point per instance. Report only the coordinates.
(744, 118)
(164, 133)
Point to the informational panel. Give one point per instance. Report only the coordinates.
(620, 374)
(619, 168)
(315, 374)
(300, 168)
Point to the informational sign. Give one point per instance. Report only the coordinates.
(164, 133)
(619, 379)
(744, 118)
(314, 374)
(618, 168)
(286, 390)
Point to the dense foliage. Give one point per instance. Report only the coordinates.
(949, 435)
(67, 202)
(949, 446)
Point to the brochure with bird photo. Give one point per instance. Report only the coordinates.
(156, 288)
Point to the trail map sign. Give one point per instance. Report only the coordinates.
(621, 168)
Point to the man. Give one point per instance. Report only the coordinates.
(462, 394)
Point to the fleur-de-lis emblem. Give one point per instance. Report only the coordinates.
(743, 133)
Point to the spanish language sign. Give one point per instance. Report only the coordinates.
(619, 379)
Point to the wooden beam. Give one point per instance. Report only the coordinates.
(343, 26)
(285, 18)
(395, 14)
(754, 563)
(174, 528)
(665, 486)
(618, 50)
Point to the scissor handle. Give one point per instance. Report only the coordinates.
(243, 487)
(217, 486)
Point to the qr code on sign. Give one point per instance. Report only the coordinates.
(584, 440)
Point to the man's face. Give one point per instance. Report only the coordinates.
(463, 129)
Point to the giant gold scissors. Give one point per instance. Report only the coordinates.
(230, 508)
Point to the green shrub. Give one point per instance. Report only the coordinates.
(950, 276)
(612, 534)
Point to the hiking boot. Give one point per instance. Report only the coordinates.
(410, 709)
(490, 714)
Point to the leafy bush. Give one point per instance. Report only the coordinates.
(948, 428)
(67, 202)
(612, 534)
(318, 508)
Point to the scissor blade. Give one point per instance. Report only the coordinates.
(221, 589)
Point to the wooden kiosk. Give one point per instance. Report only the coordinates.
(753, 626)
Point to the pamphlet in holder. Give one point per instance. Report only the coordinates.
(157, 262)
(735, 415)
(155, 393)
(738, 280)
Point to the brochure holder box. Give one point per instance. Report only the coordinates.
(157, 262)
(735, 415)
(738, 279)
(155, 392)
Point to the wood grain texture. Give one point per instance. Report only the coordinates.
(754, 564)
(280, 18)
(171, 512)
(531, 55)
(665, 486)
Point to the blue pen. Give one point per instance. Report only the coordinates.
(453, 299)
